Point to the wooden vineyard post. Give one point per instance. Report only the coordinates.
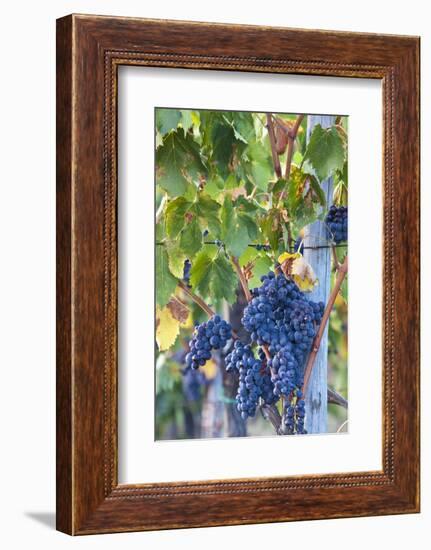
(316, 400)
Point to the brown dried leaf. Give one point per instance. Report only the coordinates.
(178, 309)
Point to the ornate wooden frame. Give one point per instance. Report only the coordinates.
(89, 51)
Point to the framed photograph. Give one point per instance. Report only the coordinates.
(237, 274)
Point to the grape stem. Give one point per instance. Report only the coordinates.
(291, 137)
(271, 414)
(271, 134)
(205, 307)
(342, 271)
(241, 278)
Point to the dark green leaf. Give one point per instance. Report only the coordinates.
(234, 230)
(177, 158)
(318, 191)
(278, 186)
(250, 224)
(325, 151)
(242, 125)
(213, 277)
(222, 143)
(251, 206)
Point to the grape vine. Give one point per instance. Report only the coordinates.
(233, 190)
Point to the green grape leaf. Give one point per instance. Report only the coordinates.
(260, 165)
(208, 211)
(295, 189)
(191, 238)
(176, 215)
(271, 228)
(186, 120)
(249, 255)
(231, 182)
(165, 281)
(317, 190)
(261, 267)
(213, 277)
(249, 223)
(176, 258)
(177, 161)
(167, 120)
(234, 230)
(278, 186)
(325, 151)
(222, 144)
(214, 186)
(251, 206)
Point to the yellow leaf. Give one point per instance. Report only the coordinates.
(303, 274)
(287, 256)
(167, 328)
(210, 369)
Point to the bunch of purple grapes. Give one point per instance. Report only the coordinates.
(294, 414)
(336, 222)
(254, 379)
(213, 334)
(283, 319)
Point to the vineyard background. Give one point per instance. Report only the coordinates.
(220, 186)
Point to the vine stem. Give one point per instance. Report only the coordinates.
(271, 134)
(291, 137)
(342, 271)
(203, 305)
(335, 257)
(241, 278)
(290, 144)
(209, 311)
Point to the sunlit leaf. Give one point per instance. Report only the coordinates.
(167, 328)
